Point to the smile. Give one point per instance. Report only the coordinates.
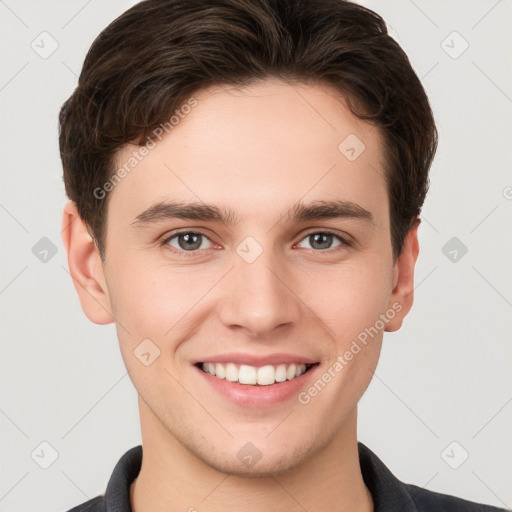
(252, 375)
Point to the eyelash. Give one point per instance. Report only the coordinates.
(344, 241)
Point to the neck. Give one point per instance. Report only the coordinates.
(174, 479)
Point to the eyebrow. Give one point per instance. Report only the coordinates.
(300, 212)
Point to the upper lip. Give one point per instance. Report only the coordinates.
(257, 360)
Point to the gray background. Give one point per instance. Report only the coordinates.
(443, 378)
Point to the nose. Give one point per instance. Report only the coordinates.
(259, 297)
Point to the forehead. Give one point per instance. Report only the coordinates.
(257, 147)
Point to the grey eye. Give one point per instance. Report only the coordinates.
(188, 241)
(322, 240)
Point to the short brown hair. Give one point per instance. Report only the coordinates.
(156, 55)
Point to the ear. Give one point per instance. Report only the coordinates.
(85, 266)
(402, 296)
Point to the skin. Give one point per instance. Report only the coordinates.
(256, 150)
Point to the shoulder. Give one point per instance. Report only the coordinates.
(426, 500)
(94, 505)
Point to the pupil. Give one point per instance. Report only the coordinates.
(318, 237)
(191, 241)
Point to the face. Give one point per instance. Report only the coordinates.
(288, 261)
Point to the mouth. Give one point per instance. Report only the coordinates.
(247, 375)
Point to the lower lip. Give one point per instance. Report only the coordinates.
(258, 396)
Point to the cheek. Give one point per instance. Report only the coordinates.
(160, 305)
(151, 312)
(348, 299)
(352, 313)
(165, 303)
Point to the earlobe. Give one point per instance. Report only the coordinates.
(85, 267)
(402, 296)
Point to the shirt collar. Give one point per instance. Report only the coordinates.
(387, 491)
(117, 494)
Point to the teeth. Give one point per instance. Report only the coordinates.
(281, 373)
(231, 372)
(266, 375)
(247, 374)
(220, 371)
(250, 375)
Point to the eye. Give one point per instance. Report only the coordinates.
(188, 241)
(322, 240)
(193, 241)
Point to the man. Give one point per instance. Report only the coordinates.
(245, 181)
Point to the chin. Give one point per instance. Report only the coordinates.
(252, 462)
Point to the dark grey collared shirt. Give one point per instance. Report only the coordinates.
(389, 494)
